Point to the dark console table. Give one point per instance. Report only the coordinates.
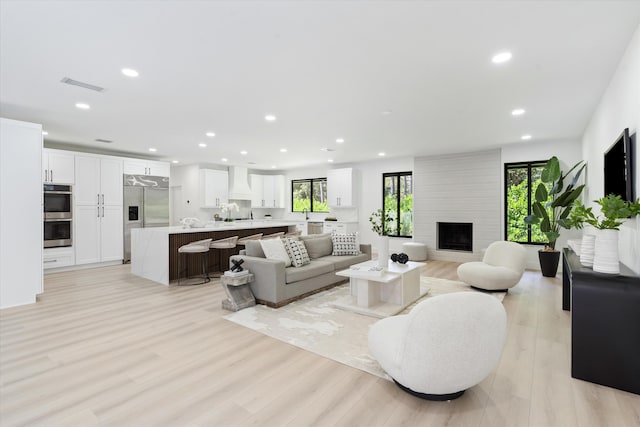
(605, 324)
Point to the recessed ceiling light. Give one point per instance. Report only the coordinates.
(517, 112)
(243, 152)
(153, 149)
(175, 161)
(224, 159)
(44, 132)
(202, 144)
(283, 150)
(340, 140)
(210, 134)
(270, 118)
(273, 166)
(501, 57)
(130, 72)
(525, 137)
(82, 106)
(381, 154)
(330, 160)
(386, 112)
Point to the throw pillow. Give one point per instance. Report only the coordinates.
(297, 252)
(253, 248)
(345, 244)
(319, 247)
(274, 249)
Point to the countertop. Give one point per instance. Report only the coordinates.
(221, 225)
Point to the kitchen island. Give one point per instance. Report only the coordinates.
(154, 250)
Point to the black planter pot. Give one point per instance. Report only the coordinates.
(549, 262)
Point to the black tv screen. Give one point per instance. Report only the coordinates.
(618, 167)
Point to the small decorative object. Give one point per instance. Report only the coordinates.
(380, 220)
(401, 258)
(614, 209)
(237, 265)
(587, 250)
(227, 208)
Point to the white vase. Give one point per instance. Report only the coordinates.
(605, 257)
(586, 250)
(383, 251)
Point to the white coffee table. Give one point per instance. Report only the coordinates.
(381, 295)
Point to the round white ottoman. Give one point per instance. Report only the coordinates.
(416, 251)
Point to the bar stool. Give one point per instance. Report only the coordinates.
(220, 245)
(243, 240)
(199, 247)
(273, 236)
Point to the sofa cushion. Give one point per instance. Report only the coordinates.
(296, 251)
(345, 243)
(314, 236)
(313, 269)
(274, 249)
(253, 248)
(342, 262)
(319, 247)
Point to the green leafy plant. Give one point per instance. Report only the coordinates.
(613, 209)
(552, 207)
(380, 221)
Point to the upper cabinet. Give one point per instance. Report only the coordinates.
(340, 187)
(267, 191)
(57, 167)
(146, 167)
(214, 188)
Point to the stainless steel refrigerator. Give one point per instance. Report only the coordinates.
(146, 204)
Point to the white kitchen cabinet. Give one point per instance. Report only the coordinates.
(98, 216)
(214, 188)
(340, 187)
(267, 191)
(340, 227)
(21, 227)
(146, 167)
(58, 257)
(57, 167)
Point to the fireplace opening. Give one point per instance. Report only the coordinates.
(457, 236)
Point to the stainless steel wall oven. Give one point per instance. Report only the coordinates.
(58, 215)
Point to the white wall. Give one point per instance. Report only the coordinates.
(569, 153)
(619, 108)
(458, 188)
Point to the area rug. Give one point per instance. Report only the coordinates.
(315, 325)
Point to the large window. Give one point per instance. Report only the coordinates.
(398, 202)
(309, 195)
(521, 180)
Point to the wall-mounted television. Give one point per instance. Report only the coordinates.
(618, 168)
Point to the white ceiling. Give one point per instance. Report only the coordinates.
(325, 69)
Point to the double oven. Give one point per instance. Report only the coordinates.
(58, 216)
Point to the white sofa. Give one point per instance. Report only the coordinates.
(500, 269)
(444, 346)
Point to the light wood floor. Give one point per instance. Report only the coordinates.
(103, 347)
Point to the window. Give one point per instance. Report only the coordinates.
(398, 201)
(521, 180)
(309, 195)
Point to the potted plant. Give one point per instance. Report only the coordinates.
(552, 207)
(613, 210)
(380, 221)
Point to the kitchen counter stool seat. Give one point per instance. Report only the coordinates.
(220, 245)
(200, 247)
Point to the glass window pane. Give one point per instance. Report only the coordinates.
(391, 203)
(301, 190)
(536, 172)
(406, 205)
(320, 195)
(517, 204)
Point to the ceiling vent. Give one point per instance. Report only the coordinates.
(72, 82)
(108, 141)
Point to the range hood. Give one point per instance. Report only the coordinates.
(238, 183)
